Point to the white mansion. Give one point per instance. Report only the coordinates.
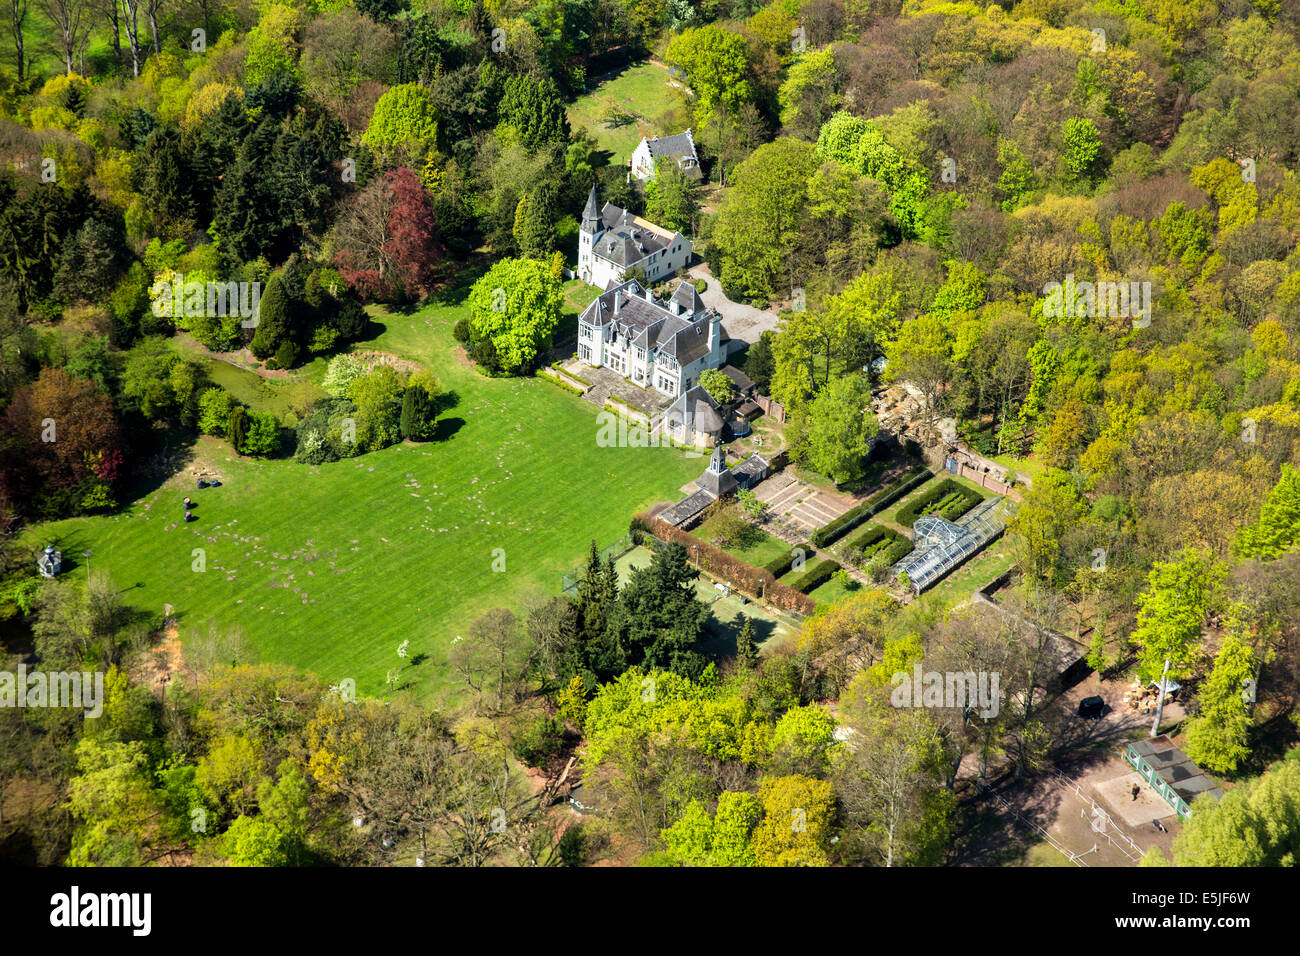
(612, 242)
(664, 345)
(679, 148)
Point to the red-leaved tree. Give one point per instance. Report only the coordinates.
(386, 239)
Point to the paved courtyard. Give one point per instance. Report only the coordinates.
(798, 507)
(743, 323)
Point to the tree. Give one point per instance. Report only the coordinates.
(717, 384)
(72, 22)
(418, 413)
(18, 23)
(516, 307)
(491, 653)
(658, 617)
(70, 442)
(1082, 146)
(1217, 735)
(534, 110)
(922, 354)
(1255, 824)
(671, 197)
(746, 646)
(838, 429)
(273, 320)
(757, 222)
(1172, 610)
(1278, 528)
(795, 829)
(403, 128)
(759, 362)
(716, 62)
(534, 228)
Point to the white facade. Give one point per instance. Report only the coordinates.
(653, 344)
(612, 242)
(679, 148)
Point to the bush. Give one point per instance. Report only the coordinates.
(286, 354)
(701, 285)
(782, 563)
(948, 499)
(539, 741)
(815, 576)
(263, 437)
(461, 331)
(832, 531)
(214, 411)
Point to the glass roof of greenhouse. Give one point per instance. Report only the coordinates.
(942, 545)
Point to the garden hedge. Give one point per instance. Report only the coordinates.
(817, 575)
(965, 500)
(832, 531)
(783, 562)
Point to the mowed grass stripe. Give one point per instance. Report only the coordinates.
(521, 472)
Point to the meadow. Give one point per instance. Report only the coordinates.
(330, 568)
(641, 93)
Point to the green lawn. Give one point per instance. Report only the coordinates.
(770, 628)
(832, 590)
(330, 568)
(760, 548)
(642, 91)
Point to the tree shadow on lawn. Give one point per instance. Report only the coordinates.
(719, 639)
(446, 428)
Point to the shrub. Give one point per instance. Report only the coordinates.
(214, 411)
(539, 741)
(461, 331)
(815, 576)
(701, 285)
(832, 531)
(947, 498)
(782, 563)
(286, 354)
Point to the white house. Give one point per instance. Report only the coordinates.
(612, 241)
(679, 148)
(661, 345)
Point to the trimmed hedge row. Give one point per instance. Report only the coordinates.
(756, 582)
(963, 500)
(878, 538)
(555, 380)
(834, 530)
(817, 575)
(783, 562)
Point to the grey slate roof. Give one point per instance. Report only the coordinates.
(697, 410)
(624, 242)
(648, 323)
(677, 147)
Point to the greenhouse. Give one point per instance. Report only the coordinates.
(942, 545)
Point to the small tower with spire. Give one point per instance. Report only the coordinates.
(592, 227)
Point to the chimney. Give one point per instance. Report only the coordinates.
(618, 300)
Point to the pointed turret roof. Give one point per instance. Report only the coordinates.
(591, 215)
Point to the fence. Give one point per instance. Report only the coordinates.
(1099, 815)
(569, 581)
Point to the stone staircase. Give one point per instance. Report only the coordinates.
(597, 395)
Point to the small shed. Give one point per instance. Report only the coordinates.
(1171, 773)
